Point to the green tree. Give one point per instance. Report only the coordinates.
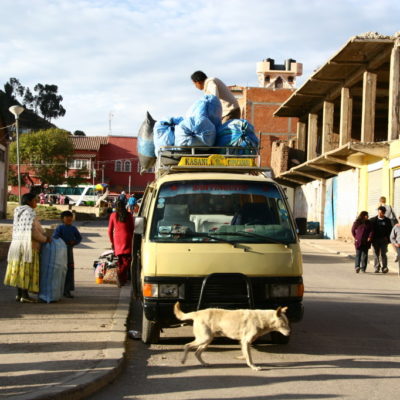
(45, 153)
(79, 133)
(48, 101)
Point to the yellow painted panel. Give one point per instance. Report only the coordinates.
(200, 259)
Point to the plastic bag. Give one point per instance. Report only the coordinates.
(195, 131)
(208, 106)
(145, 144)
(53, 270)
(238, 133)
(164, 133)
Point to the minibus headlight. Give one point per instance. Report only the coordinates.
(281, 290)
(150, 290)
(276, 290)
(168, 290)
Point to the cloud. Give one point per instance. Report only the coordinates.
(136, 55)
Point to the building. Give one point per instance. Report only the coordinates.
(347, 136)
(258, 104)
(110, 159)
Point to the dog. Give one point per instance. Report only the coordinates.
(243, 325)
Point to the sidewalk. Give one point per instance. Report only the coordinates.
(346, 249)
(68, 349)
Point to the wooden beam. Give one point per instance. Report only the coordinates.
(346, 110)
(312, 136)
(394, 93)
(327, 126)
(301, 136)
(347, 62)
(326, 80)
(300, 182)
(310, 95)
(341, 161)
(368, 107)
(325, 168)
(307, 174)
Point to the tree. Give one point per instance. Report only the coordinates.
(48, 101)
(13, 89)
(45, 153)
(79, 133)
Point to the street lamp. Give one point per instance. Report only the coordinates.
(17, 110)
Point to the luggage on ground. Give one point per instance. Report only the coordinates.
(53, 270)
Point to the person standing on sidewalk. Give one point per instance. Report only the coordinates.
(362, 233)
(395, 240)
(120, 232)
(23, 255)
(382, 227)
(71, 236)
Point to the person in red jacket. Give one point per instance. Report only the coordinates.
(120, 232)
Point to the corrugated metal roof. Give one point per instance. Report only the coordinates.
(88, 142)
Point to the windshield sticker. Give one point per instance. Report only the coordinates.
(220, 188)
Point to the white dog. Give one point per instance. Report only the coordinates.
(243, 325)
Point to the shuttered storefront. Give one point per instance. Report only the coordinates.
(374, 191)
(396, 191)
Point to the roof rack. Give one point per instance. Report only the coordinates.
(216, 159)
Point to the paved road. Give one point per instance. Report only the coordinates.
(347, 346)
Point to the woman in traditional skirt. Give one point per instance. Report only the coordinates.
(23, 255)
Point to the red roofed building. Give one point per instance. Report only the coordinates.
(112, 160)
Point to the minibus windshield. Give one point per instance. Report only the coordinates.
(221, 211)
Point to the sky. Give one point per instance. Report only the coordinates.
(113, 60)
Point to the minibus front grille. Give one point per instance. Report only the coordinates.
(220, 290)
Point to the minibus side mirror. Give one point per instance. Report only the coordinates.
(140, 224)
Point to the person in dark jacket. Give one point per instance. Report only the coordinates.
(362, 233)
(382, 227)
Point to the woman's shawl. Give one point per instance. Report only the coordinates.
(21, 244)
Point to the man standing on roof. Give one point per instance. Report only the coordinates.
(230, 105)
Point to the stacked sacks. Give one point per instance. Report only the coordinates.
(208, 106)
(238, 133)
(145, 144)
(164, 133)
(199, 127)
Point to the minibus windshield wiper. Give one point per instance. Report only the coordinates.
(252, 234)
(203, 235)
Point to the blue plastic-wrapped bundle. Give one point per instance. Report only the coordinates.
(164, 133)
(208, 106)
(145, 144)
(238, 133)
(53, 270)
(195, 131)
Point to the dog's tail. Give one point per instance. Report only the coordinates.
(180, 314)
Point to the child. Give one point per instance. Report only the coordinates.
(71, 236)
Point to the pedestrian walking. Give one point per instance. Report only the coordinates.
(389, 210)
(120, 232)
(362, 233)
(131, 203)
(395, 240)
(382, 227)
(24, 253)
(71, 236)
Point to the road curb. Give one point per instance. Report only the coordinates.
(87, 382)
(339, 253)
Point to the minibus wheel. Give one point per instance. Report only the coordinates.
(278, 338)
(150, 331)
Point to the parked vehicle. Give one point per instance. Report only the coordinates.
(214, 231)
(78, 195)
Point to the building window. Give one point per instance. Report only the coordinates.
(127, 166)
(278, 83)
(267, 79)
(118, 165)
(78, 163)
(290, 79)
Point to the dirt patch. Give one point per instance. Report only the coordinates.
(5, 233)
(42, 212)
